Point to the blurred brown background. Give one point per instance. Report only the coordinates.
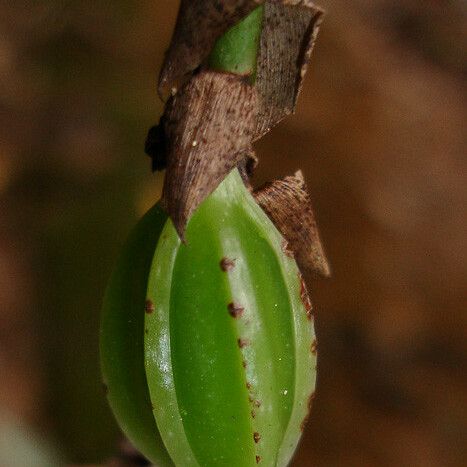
(380, 134)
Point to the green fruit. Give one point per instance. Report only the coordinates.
(212, 334)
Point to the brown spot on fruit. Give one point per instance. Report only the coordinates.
(243, 343)
(258, 459)
(149, 307)
(248, 385)
(235, 310)
(256, 437)
(227, 264)
(305, 297)
(253, 414)
(244, 364)
(314, 347)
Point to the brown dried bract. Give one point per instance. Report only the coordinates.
(209, 127)
(256, 437)
(288, 205)
(290, 28)
(199, 24)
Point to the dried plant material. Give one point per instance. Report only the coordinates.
(288, 205)
(289, 32)
(199, 24)
(209, 126)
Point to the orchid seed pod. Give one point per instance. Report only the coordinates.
(208, 346)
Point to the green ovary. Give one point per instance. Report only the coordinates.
(227, 362)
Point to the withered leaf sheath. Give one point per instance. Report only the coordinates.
(209, 127)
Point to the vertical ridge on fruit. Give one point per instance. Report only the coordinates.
(121, 343)
(221, 361)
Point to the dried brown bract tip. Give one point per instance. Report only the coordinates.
(209, 127)
(288, 205)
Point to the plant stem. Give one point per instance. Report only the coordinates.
(236, 51)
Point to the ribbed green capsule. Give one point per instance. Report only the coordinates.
(207, 346)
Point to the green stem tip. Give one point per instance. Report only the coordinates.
(236, 51)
